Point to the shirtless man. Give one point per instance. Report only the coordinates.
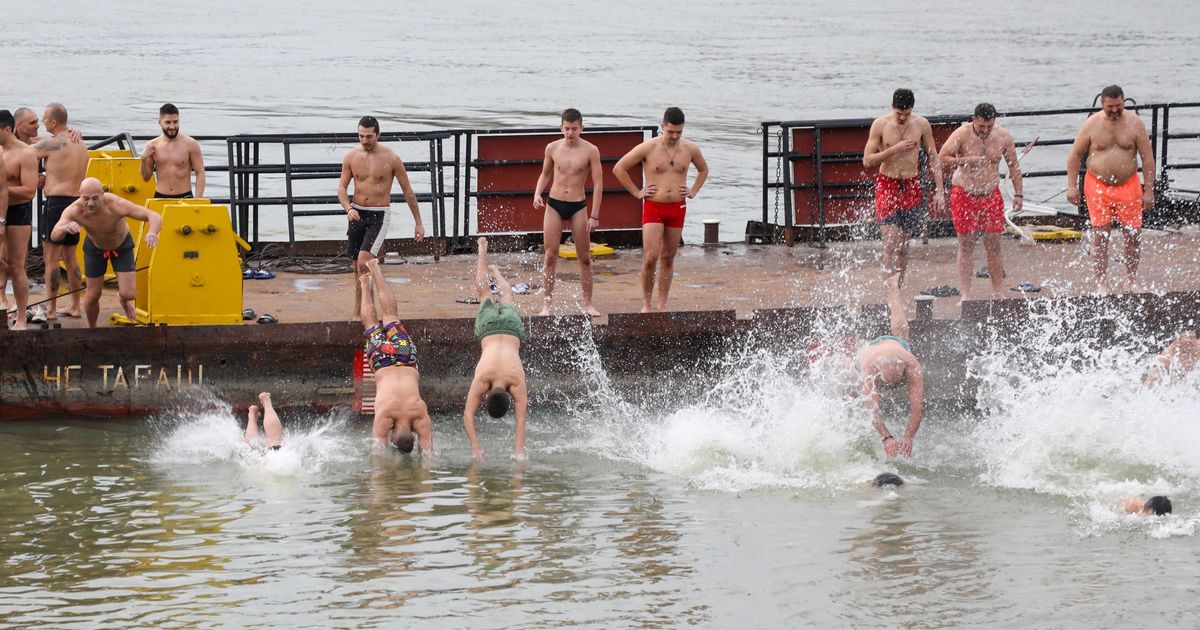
(373, 168)
(1178, 359)
(1112, 139)
(108, 241)
(399, 411)
(888, 360)
(66, 166)
(975, 150)
(27, 125)
(665, 161)
(272, 429)
(3, 227)
(569, 161)
(20, 173)
(172, 158)
(893, 147)
(499, 374)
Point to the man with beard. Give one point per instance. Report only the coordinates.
(172, 158)
(975, 150)
(20, 173)
(1112, 139)
(372, 166)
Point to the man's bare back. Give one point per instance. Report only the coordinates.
(66, 165)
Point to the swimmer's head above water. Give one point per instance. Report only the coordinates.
(1157, 505)
(887, 479)
(497, 402)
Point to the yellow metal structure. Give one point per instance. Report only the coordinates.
(567, 250)
(193, 276)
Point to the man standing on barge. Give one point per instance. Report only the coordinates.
(172, 158)
(373, 167)
(1112, 139)
(665, 161)
(894, 147)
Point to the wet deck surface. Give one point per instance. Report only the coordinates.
(729, 276)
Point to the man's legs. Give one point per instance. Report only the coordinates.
(899, 320)
(1133, 256)
(272, 427)
(91, 304)
(4, 271)
(1100, 236)
(251, 435)
(17, 249)
(127, 289)
(652, 241)
(388, 309)
(966, 252)
(482, 290)
(73, 278)
(552, 234)
(895, 251)
(51, 254)
(583, 254)
(666, 263)
(360, 268)
(995, 263)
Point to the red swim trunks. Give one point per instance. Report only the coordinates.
(976, 213)
(895, 195)
(1122, 201)
(669, 214)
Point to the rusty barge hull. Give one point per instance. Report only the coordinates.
(118, 372)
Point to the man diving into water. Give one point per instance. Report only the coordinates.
(272, 427)
(888, 360)
(499, 374)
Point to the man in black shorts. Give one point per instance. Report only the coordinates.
(66, 165)
(108, 241)
(372, 166)
(568, 162)
(20, 173)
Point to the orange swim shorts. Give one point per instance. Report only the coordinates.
(1122, 202)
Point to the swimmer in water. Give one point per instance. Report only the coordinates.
(272, 427)
(887, 479)
(1154, 506)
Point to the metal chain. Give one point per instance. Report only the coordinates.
(778, 172)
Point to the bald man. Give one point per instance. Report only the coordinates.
(888, 361)
(66, 166)
(108, 241)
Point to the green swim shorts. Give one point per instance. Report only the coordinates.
(498, 319)
(901, 341)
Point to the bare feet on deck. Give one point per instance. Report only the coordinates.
(545, 308)
(591, 310)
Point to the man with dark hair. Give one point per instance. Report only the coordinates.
(104, 215)
(568, 162)
(499, 374)
(888, 360)
(1154, 506)
(66, 166)
(20, 174)
(665, 161)
(894, 147)
(1112, 139)
(975, 150)
(172, 158)
(372, 166)
(887, 479)
(390, 352)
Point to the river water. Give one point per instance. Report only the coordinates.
(280, 66)
(749, 508)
